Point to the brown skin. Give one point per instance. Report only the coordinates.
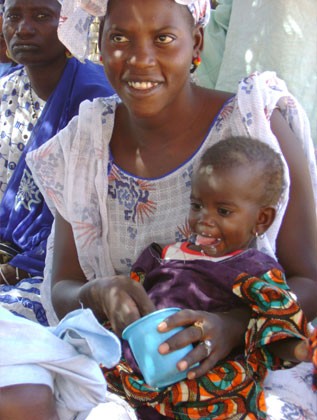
(10, 274)
(225, 205)
(3, 46)
(30, 32)
(27, 401)
(154, 132)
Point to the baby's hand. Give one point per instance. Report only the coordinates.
(313, 355)
(302, 351)
(306, 351)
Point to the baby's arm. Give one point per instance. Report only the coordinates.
(277, 332)
(293, 350)
(297, 350)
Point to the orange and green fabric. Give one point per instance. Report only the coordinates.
(233, 388)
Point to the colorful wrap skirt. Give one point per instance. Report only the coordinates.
(233, 389)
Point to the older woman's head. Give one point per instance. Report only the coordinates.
(30, 31)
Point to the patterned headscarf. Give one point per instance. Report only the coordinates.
(77, 16)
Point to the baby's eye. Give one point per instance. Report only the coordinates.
(118, 38)
(195, 206)
(165, 39)
(224, 212)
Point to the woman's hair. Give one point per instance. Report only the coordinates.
(236, 152)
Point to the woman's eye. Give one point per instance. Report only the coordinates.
(224, 212)
(41, 16)
(11, 16)
(165, 39)
(119, 38)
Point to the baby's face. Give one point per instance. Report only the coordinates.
(224, 209)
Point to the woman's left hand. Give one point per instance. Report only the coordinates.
(224, 331)
(12, 274)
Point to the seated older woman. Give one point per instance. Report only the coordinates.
(36, 101)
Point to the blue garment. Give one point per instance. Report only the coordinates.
(8, 68)
(28, 226)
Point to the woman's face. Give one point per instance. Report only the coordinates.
(147, 48)
(30, 30)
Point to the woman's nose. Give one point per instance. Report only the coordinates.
(141, 55)
(25, 27)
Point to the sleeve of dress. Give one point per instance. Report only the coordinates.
(257, 97)
(49, 166)
(275, 316)
(71, 172)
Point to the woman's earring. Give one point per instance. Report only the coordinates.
(195, 64)
(68, 54)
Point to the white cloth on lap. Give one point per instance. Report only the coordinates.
(62, 357)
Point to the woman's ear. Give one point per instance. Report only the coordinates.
(198, 35)
(266, 216)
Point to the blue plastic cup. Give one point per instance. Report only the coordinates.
(158, 370)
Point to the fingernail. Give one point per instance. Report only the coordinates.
(164, 348)
(162, 326)
(182, 365)
(191, 375)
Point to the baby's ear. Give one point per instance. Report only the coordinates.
(265, 218)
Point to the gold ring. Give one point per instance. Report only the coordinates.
(199, 325)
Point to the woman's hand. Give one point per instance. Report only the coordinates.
(12, 274)
(118, 299)
(225, 331)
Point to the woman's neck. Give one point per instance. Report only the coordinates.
(44, 79)
(152, 147)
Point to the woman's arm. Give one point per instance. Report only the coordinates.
(297, 239)
(118, 299)
(67, 275)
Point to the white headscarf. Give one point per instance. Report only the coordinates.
(77, 16)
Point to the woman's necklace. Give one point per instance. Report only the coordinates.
(34, 113)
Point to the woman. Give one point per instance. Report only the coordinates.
(7, 66)
(149, 140)
(36, 102)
